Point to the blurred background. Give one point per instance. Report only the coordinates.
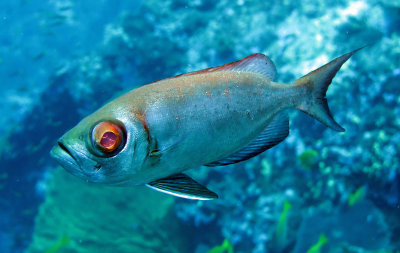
(318, 191)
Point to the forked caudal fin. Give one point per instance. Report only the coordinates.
(317, 82)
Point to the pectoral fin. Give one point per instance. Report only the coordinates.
(181, 185)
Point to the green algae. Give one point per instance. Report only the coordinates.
(282, 227)
(316, 248)
(357, 196)
(105, 219)
(64, 240)
(308, 158)
(225, 247)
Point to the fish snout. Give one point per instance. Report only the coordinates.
(75, 159)
(65, 156)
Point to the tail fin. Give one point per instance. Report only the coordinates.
(317, 82)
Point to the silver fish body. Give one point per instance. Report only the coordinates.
(190, 120)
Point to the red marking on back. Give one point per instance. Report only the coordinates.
(225, 67)
(228, 66)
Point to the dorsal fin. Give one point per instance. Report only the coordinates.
(272, 135)
(257, 63)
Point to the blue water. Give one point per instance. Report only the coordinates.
(60, 60)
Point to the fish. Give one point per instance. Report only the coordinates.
(213, 117)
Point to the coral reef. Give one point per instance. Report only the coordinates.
(342, 227)
(315, 169)
(105, 219)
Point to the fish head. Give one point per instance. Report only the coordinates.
(102, 148)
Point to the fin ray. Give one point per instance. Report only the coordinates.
(318, 82)
(257, 63)
(181, 185)
(272, 135)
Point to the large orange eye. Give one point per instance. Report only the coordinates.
(107, 136)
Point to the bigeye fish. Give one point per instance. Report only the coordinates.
(213, 117)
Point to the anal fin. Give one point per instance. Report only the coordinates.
(272, 135)
(181, 185)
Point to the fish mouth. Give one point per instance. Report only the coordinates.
(64, 156)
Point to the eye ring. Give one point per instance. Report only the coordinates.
(108, 137)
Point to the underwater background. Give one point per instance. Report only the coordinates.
(318, 191)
